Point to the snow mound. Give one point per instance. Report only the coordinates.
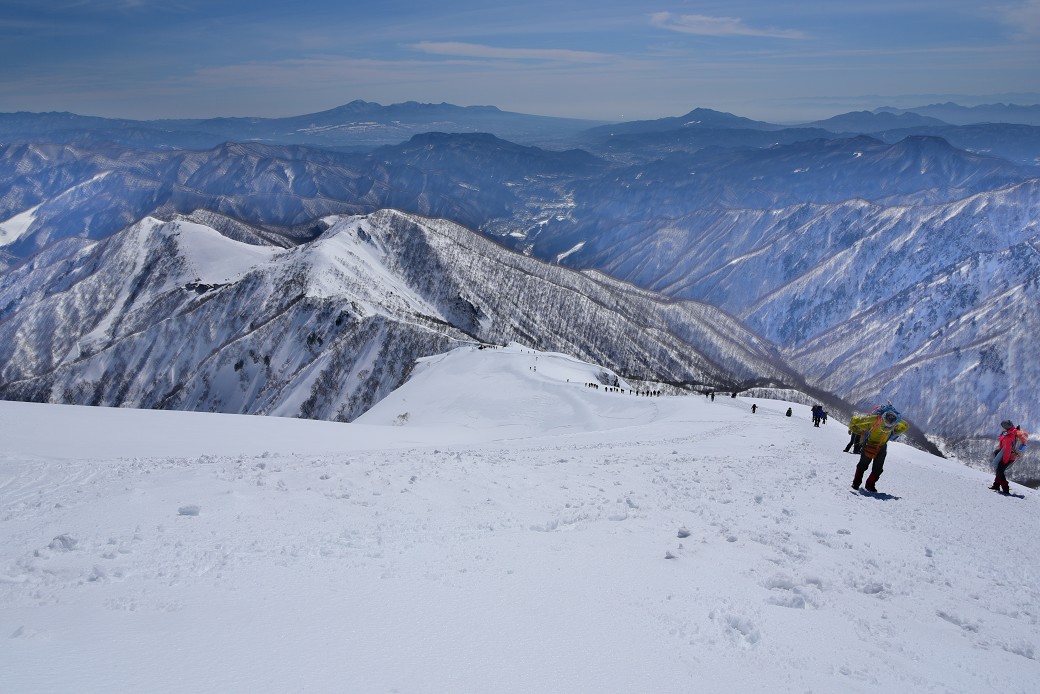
(512, 391)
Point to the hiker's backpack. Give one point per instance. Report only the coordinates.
(1018, 446)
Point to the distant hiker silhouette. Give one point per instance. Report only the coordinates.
(875, 431)
(788, 412)
(754, 408)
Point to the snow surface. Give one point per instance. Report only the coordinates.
(495, 525)
(212, 257)
(16, 227)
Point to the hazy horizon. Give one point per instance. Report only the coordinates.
(145, 60)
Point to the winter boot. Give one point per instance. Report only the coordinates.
(1005, 488)
(995, 485)
(869, 486)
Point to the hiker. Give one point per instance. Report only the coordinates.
(853, 442)
(817, 414)
(1012, 440)
(788, 412)
(754, 407)
(875, 430)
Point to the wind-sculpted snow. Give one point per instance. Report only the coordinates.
(495, 525)
(174, 315)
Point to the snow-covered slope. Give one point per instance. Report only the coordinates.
(16, 227)
(519, 395)
(516, 532)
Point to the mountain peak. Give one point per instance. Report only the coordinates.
(875, 121)
(711, 116)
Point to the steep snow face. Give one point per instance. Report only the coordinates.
(962, 360)
(614, 543)
(931, 309)
(17, 226)
(350, 260)
(212, 258)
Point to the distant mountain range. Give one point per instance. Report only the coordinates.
(873, 255)
(1006, 130)
(972, 115)
(875, 121)
(359, 124)
(643, 141)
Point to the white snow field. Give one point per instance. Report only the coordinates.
(497, 526)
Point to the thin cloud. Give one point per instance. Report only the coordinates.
(476, 50)
(1024, 17)
(106, 6)
(703, 25)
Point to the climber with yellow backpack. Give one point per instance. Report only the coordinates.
(875, 430)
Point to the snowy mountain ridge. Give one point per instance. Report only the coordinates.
(173, 315)
(497, 525)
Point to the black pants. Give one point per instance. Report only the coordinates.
(1001, 470)
(853, 443)
(879, 463)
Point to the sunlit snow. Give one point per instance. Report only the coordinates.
(16, 227)
(498, 525)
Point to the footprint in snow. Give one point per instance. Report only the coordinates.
(741, 629)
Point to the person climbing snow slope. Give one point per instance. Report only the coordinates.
(875, 430)
(1012, 441)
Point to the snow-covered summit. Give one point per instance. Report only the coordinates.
(210, 257)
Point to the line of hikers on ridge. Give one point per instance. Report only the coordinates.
(618, 389)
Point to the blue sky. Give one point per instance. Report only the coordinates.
(607, 59)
